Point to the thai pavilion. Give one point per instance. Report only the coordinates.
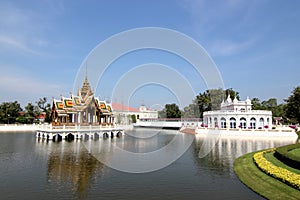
(236, 114)
(83, 109)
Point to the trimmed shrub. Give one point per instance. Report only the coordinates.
(283, 154)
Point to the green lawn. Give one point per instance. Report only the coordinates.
(295, 152)
(260, 182)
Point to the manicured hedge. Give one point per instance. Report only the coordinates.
(283, 154)
(279, 173)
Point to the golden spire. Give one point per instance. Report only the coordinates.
(86, 90)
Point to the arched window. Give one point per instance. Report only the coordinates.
(243, 123)
(216, 122)
(261, 122)
(232, 122)
(223, 122)
(253, 123)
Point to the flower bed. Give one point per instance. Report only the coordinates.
(279, 173)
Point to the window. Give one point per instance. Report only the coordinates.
(261, 122)
(253, 123)
(216, 122)
(243, 123)
(232, 122)
(223, 122)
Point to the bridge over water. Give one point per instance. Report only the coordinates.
(174, 123)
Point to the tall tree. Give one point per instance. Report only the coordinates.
(256, 105)
(30, 113)
(293, 106)
(208, 100)
(9, 111)
(233, 94)
(45, 107)
(172, 111)
(269, 104)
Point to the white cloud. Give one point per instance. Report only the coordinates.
(25, 28)
(9, 43)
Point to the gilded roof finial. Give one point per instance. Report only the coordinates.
(86, 71)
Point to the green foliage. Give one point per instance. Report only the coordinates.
(208, 100)
(271, 104)
(133, 118)
(162, 114)
(44, 107)
(233, 94)
(9, 111)
(31, 112)
(284, 155)
(171, 111)
(293, 106)
(21, 119)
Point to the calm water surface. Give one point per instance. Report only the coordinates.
(36, 169)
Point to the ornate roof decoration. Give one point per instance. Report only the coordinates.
(76, 100)
(58, 104)
(109, 107)
(86, 90)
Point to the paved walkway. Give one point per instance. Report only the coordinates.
(189, 131)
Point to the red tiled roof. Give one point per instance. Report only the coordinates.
(121, 107)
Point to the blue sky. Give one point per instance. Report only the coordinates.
(255, 45)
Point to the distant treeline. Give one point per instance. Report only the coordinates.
(288, 112)
(12, 112)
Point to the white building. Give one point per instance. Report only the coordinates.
(238, 114)
(123, 113)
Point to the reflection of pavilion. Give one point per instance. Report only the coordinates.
(71, 164)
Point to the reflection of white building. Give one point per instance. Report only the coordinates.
(123, 113)
(238, 114)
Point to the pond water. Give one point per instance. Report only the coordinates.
(37, 169)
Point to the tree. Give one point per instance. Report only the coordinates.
(45, 107)
(269, 104)
(191, 111)
(162, 113)
(233, 94)
(293, 106)
(30, 113)
(256, 105)
(133, 118)
(203, 102)
(9, 111)
(208, 100)
(172, 111)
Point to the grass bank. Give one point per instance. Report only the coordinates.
(260, 182)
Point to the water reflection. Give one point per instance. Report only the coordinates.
(141, 154)
(224, 150)
(72, 171)
(70, 165)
